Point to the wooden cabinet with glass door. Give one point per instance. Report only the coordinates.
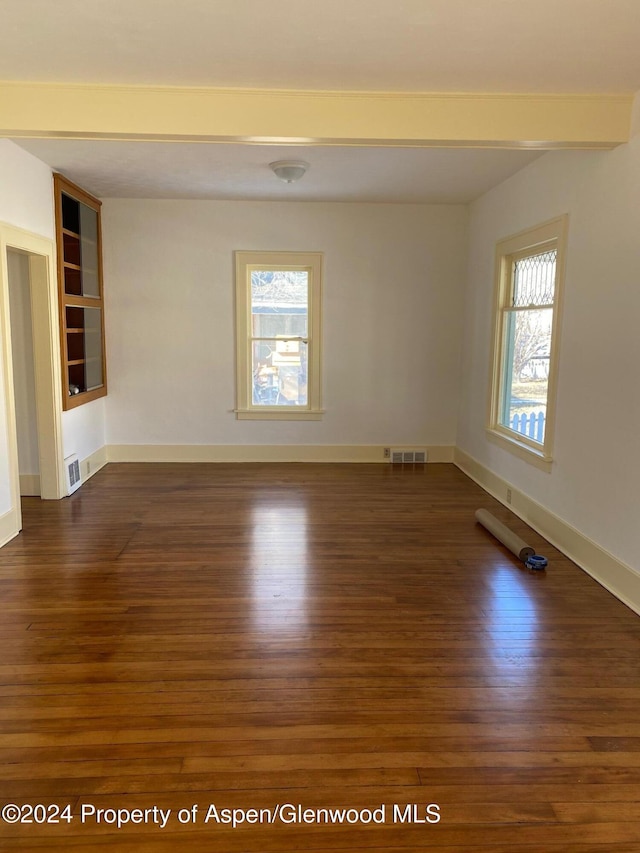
(80, 291)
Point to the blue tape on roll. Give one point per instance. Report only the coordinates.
(536, 562)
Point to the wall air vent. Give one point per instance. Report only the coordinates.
(408, 456)
(72, 467)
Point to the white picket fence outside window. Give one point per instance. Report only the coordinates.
(531, 425)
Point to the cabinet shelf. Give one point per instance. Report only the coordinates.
(71, 363)
(80, 294)
(69, 233)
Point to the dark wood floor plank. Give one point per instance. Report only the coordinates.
(338, 636)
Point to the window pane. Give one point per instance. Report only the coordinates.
(93, 347)
(527, 349)
(89, 251)
(279, 371)
(534, 280)
(279, 303)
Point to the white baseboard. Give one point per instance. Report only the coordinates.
(9, 527)
(90, 465)
(260, 453)
(619, 578)
(30, 485)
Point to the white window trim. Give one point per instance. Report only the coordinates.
(549, 235)
(311, 262)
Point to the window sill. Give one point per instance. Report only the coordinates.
(279, 414)
(535, 457)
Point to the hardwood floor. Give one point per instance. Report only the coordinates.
(329, 636)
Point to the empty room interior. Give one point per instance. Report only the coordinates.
(289, 292)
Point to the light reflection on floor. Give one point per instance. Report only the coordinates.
(279, 565)
(512, 625)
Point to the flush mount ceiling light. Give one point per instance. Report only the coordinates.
(289, 170)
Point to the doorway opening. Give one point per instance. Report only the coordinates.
(30, 400)
(24, 378)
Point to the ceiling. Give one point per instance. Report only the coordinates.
(112, 169)
(382, 45)
(551, 46)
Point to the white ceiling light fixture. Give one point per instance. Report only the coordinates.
(289, 170)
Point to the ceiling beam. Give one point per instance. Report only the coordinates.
(315, 118)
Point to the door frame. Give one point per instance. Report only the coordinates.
(46, 357)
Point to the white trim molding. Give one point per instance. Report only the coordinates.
(548, 237)
(277, 116)
(46, 352)
(309, 265)
(261, 453)
(620, 579)
(272, 415)
(9, 526)
(30, 485)
(91, 464)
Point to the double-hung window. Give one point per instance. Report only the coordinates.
(278, 329)
(529, 270)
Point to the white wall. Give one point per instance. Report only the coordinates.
(24, 383)
(84, 429)
(26, 201)
(26, 196)
(594, 482)
(392, 313)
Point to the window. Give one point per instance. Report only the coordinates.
(527, 310)
(278, 304)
